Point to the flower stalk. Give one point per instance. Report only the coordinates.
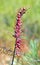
(18, 32)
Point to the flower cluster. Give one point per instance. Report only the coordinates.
(18, 29)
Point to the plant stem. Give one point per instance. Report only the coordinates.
(18, 32)
(13, 57)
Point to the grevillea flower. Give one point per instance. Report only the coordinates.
(18, 29)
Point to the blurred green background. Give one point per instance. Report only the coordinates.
(8, 11)
(30, 20)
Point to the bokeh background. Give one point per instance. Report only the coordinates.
(30, 34)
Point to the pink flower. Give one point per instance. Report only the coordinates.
(18, 29)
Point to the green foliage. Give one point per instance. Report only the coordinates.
(31, 22)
